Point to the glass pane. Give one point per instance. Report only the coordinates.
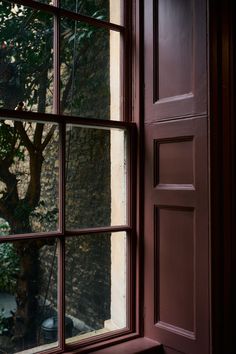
(90, 71)
(95, 177)
(28, 295)
(96, 274)
(26, 58)
(28, 177)
(106, 10)
(49, 2)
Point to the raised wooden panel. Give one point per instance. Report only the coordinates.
(174, 67)
(176, 234)
(173, 161)
(175, 59)
(175, 269)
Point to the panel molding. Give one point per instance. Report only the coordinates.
(159, 322)
(194, 101)
(160, 162)
(176, 330)
(178, 196)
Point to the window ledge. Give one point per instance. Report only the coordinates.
(134, 346)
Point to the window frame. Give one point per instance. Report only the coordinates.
(133, 330)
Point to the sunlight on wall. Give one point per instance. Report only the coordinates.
(118, 184)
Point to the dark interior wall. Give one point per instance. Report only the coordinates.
(222, 93)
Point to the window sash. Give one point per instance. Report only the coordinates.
(62, 121)
(62, 234)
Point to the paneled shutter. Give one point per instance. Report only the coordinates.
(176, 175)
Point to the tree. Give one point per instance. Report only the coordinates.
(26, 74)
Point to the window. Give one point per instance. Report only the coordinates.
(66, 175)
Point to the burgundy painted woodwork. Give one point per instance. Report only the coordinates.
(176, 175)
(137, 346)
(176, 231)
(175, 47)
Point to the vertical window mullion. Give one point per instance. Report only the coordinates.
(61, 265)
(61, 248)
(56, 62)
(126, 53)
(61, 294)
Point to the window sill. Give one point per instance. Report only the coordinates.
(135, 346)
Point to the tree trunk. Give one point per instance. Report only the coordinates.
(25, 317)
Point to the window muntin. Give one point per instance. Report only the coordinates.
(63, 124)
(90, 63)
(110, 270)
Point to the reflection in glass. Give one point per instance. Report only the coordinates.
(95, 177)
(26, 57)
(90, 71)
(96, 276)
(49, 2)
(28, 295)
(106, 10)
(28, 177)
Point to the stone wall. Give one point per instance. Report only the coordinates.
(88, 258)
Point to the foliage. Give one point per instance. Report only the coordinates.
(9, 267)
(26, 74)
(3, 327)
(8, 142)
(86, 69)
(26, 39)
(26, 55)
(44, 214)
(4, 228)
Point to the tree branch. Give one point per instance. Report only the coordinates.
(48, 137)
(68, 86)
(66, 92)
(34, 188)
(38, 134)
(10, 198)
(24, 137)
(10, 180)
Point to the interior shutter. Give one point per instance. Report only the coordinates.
(176, 175)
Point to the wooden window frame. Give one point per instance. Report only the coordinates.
(133, 330)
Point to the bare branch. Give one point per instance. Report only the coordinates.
(68, 85)
(34, 188)
(48, 137)
(26, 140)
(38, 134)
(66, 92)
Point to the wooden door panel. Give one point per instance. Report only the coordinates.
(175, 59)
(176, 232)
